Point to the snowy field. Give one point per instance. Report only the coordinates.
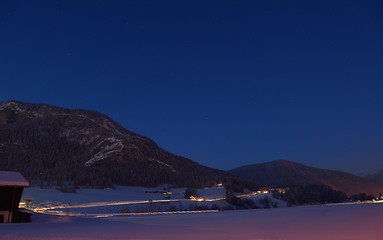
(338, 222)
(84, 195)
(136, 199)
(132, 199)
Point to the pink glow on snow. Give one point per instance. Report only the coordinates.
(337, 222)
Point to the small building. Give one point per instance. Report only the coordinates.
(11, 189)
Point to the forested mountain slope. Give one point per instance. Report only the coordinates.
(81, 147)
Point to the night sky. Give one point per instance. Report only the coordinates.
(225, 83)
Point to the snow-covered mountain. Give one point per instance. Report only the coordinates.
(85, 147)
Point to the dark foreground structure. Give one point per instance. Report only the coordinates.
(11, 189)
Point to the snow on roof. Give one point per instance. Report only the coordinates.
(14, 179)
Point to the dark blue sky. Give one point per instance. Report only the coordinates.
(225, 83)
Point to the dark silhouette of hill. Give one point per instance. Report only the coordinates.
(374, 176)
(283, 173)
(80, 147)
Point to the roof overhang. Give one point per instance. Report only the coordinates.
(12, 179)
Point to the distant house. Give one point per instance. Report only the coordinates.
(11, 188)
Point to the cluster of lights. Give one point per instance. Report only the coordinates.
(196, 199)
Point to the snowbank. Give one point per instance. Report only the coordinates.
(338, 222)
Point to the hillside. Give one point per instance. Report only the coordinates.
(375, 176)
(283, 173)
(80, 147)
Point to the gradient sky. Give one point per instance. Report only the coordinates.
(225, 83)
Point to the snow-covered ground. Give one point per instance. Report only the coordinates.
(134, 199)
(338, 222)
(85, 195)
(343, 221)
